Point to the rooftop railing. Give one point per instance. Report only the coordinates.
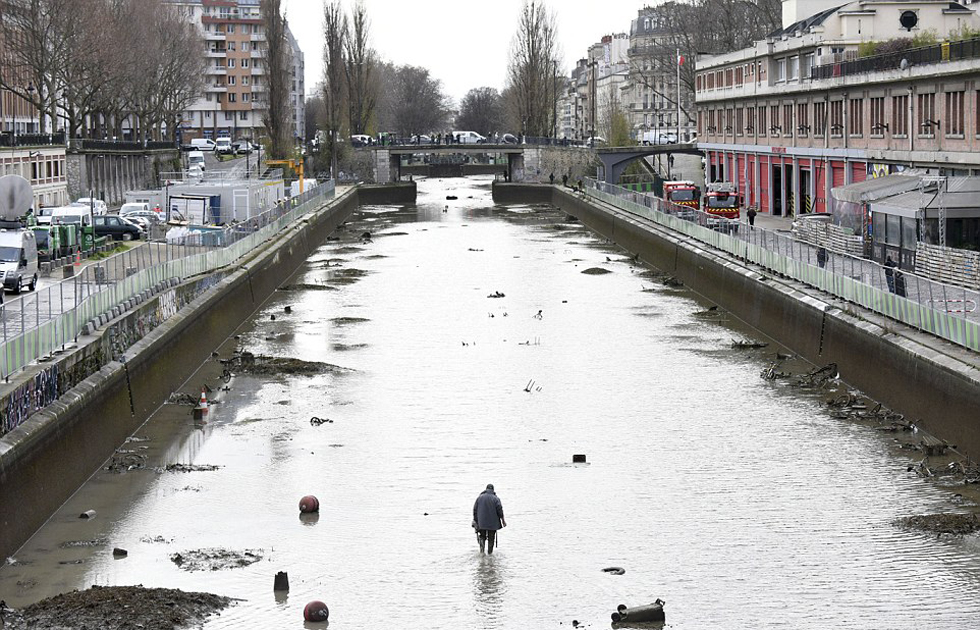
(939, 53)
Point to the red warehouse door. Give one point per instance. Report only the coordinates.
(859, 172)
(764, 205)
(819, 186)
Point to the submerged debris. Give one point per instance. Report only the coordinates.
(247, 362)
(215, 559)
(747, 345)
(180, 398)
(496, 294)
(955, 524)
(596, 271)
(117, 608)
(671, 281)
(305, 286)
(818, 377)
(182, 468)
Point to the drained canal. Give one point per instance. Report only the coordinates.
(739, 501)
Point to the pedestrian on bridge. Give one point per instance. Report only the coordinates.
(488, 518)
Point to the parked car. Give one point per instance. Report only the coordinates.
(243, 147)
(144, 218)
(509, 138)
(222, 146)
(360, 140)
(134, 206)
(117, 228)
(98, 207)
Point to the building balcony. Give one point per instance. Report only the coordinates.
(215, 54)
(256, 54)
(217, 70)
(214, 37)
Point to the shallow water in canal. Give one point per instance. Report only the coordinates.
(738, 501)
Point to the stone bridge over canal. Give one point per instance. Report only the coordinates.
(526, 162)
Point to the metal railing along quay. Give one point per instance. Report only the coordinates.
(945, 310)
(938, 53)
(37, 323)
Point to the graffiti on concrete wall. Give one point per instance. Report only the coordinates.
(28, 399)
(52, 382)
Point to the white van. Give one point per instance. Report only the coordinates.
(98, 206)
(223, 145)
(468, 137)
(70, 214)
(18, 259)
(195, 158)
(203, 144)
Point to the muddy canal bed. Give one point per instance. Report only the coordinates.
(481, 346)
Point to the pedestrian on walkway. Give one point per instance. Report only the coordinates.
(821, 257)
(488, 518)
(890, 274)
(751, 215)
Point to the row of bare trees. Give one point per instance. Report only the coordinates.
(88, 65)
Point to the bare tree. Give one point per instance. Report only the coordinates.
(532, 68)
(277, 119)
(420, 105)
(359, 62)
(334, 37)
(481, 110)
(34, 48)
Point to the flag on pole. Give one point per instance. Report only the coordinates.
(680, 60)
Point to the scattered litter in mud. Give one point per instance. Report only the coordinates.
(184, 468)
(671, 281)
(348, 250)
(249, 363)
(955, 524)
(118, 608)
(394, 234)
(346, 347)
(341, 321)
(156, 539)
(305, 286)
(709, 313)
(374, 257)
(596, 271)
(134, 438)
(739, 344)
(335, 445)
(215, 559)
(125, 462)
(180, 398)
(953, 473)
(75, 544)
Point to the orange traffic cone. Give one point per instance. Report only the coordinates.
(78, 259)
(202, 407)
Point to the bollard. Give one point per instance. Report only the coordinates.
(650, 612)
(67, 271)
(281, 582)
(316, 611)
(578, 459)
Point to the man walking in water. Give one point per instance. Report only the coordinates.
(488, 517)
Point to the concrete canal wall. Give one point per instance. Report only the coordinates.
(45, 459)
(926, 378)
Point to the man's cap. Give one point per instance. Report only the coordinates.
(489, 486)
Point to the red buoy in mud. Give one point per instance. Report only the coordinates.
(309, 504)
(316, 611)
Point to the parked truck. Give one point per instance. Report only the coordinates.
(684, 193)
(723, 204)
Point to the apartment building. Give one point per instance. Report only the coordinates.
(650, 92)
(43, 166)
(804, 111)
(236, 93)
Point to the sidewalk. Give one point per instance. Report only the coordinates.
(769, 222)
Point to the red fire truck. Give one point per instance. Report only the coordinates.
(684, 193)
(723, 200)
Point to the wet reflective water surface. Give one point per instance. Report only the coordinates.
(739, 502)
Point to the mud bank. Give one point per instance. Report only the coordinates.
(901, 367)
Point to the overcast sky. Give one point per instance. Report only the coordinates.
(463, 43)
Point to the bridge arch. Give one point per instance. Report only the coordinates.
(616, 159)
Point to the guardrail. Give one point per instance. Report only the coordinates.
(930, 306)
(8, 139)
(39, 322)
(938, 53)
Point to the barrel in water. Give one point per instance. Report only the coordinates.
(650, 612)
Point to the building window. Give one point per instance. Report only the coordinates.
(900, 116)
(242, 115)
(837, 119)
(749, 120)
(229, 115)
(245, 63)
(856, 112)
(231, 97)
(231, 80)
(739, 121)
(776, 128)
(231, 46)
(819, 119)
(806, 63)
(231, 28)
(954, 114)
(231, 62)
(245, 96)
(926, 120)
(878, 126)
(802, 120)
(245, 80)
(787, 122)
(794, 68)
(761, 129)
(738, 76)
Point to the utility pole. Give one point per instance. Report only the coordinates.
(554, 90)
(595, 79)
(680, 60)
